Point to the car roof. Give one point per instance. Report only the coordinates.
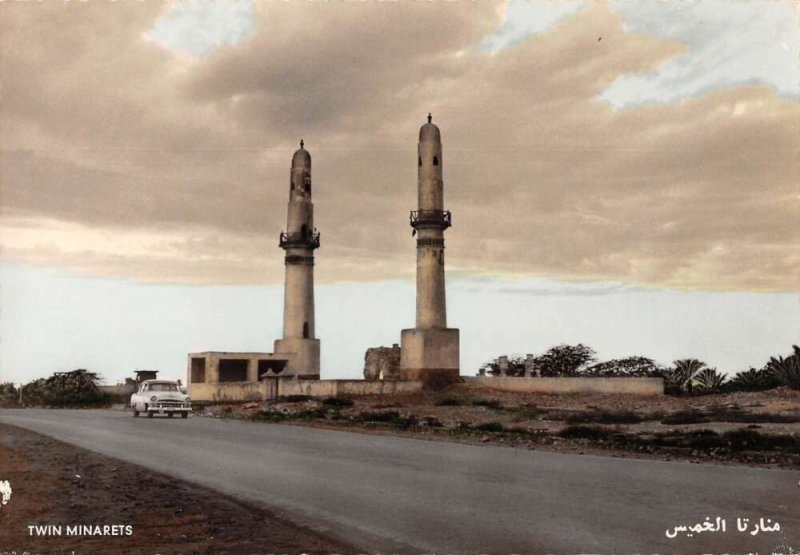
(160, 381)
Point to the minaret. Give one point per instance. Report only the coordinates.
(431, 348)
(299, 241)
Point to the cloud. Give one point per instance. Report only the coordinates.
(729, 43)
(108, 135)
(198, 27)
(524, 18)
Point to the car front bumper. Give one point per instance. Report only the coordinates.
(163, 409)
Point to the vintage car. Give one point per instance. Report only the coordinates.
(160, 397)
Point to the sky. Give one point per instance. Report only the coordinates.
(622, 174)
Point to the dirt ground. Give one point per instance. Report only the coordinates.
(58, 484)
(752, 428)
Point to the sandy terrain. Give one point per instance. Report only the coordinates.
(753, 428)
(56, 483)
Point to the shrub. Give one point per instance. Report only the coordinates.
(489, 403)
(450, 401)
(9, 395)
(269, 416)
(564, 360)
(635, 366)
(604, 417)
(337, 402)
(77, 388)
(490, 427)
(318, 413)
(686, 417)
(747, 418)
(294, 398)
(584, 432)
(526, 411)
(390, 417)
(739, 440)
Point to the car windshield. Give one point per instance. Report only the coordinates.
(163, 387)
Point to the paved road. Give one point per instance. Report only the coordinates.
(401, 495)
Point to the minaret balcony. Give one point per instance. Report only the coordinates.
(308, 240)
(439, 219)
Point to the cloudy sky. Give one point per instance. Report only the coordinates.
(623, 174)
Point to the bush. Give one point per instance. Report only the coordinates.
(337, 402)
(490, 427)
(9, 395)
(77, 388)
(450, 401)
(294, 398)
(318, 413)
(269, 416)
(564, 360)
(635, 366)
(584, 432)
(390, 417)
(526, 411)
(604, 417)
(433, 422)
(489, 403)
(686, 417)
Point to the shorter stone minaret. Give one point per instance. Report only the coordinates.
(431, 348)
(299, 241)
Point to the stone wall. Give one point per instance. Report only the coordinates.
(628, 386)
(272, 388)
(232, 391)
(382, 363)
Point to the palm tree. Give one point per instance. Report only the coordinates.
(680, 376)
(787, 369)
(707, 380)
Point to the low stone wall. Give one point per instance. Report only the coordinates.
(272, 388)
(625, 386)
(231, 392)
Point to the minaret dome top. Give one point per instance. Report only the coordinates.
(429, 132)
(301, 157)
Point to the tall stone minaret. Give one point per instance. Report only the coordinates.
(299, 241)
(430, 348)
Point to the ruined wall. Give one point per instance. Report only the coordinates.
(336, 388)
(272, 388)
(382, 363)
(631, 386)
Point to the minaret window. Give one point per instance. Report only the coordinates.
(420, 161)
(305, 330)
(435, 160)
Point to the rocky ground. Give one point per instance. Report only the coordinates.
(56, 483)
(754, 428)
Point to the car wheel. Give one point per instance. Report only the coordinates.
(149, 412)
(135, 412)
(184, 414)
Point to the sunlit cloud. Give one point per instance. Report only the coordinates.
(198, 27)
